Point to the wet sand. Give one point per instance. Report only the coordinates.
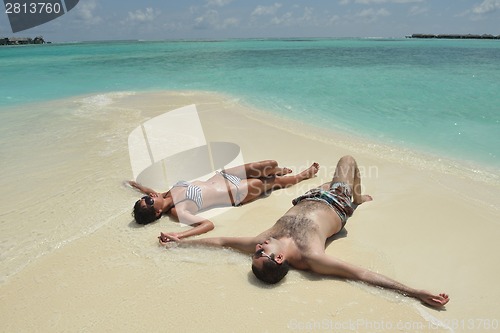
(426, 228)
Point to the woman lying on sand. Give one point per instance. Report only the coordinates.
(235, 186)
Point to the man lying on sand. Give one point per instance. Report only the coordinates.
(235, 186)
(298, 238)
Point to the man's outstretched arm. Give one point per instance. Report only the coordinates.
(243, 244)
(326, 265)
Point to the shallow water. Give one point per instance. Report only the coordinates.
(437, 96)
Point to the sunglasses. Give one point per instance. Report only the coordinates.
(260, 253)
(148, 200)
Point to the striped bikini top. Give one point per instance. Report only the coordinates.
(193, 193)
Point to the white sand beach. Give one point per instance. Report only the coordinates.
(78, 262)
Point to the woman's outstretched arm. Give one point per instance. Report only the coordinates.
(141, 188)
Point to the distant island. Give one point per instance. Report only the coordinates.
(22, 40)
(454, 36)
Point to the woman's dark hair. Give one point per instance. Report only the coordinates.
(144, 215)
(271, 272)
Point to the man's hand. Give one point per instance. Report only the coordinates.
(436, 301)
(168, 237)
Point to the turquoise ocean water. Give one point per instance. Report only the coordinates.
(438, 96)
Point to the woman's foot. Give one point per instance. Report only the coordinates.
(309, 172)
(282, 171)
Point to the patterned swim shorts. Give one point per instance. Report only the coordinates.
(338, 197)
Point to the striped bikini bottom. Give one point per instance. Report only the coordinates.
(235, 180)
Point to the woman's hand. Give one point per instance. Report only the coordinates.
(143, 189)
(133, 183)
(168, 237)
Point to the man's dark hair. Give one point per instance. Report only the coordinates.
(271, 272)
(144, 215)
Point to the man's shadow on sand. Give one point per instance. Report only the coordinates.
(307, 275)
(252, 279)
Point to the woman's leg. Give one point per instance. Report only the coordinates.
(261, 169)
(287, 181)
(253, 188)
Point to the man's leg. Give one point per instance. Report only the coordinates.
(347, 172)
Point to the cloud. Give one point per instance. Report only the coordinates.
(480, 11)
(286, 18)
(211, 20)
(333, 19)
(85, 12)
(371, 15)
(487, 6)
(147, 15)
(207, 20)
(218, 3)
(369, 2)
(230, 22)
(308, 14)
(266, 10)
(295, 16)
(416, 10)
(289, 19)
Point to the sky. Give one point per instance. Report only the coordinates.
(220, 19)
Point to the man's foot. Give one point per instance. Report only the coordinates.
(309, 172)
(364, 198)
